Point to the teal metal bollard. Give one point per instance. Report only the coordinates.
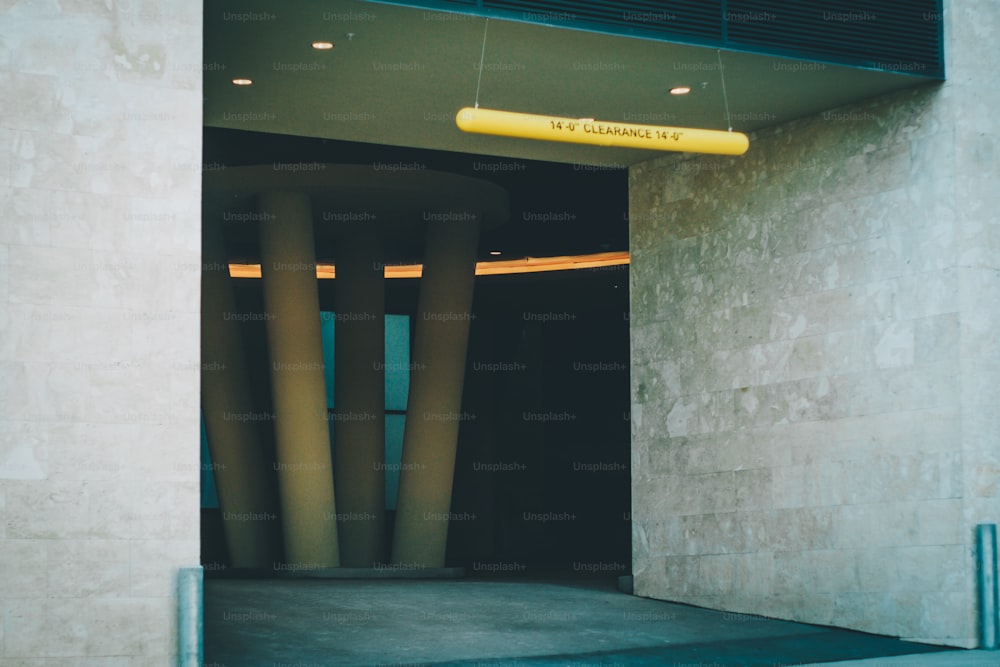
(190, 616)
(986, 553)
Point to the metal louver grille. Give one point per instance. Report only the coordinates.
(890, 35)
(699, 19)
(893, 35)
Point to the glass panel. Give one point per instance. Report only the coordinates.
(327, 321)
(209, 496)
(393, 455)
(397, 361)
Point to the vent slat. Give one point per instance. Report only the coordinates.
(897, 36)
(848, 30)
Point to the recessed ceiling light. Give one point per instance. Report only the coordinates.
(242, 82)
(680, 90)
(322, 46)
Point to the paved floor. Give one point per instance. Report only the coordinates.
(945, 659)
(498, 623)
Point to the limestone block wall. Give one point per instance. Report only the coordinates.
(100, 133)
(815, 344)
(973, 93)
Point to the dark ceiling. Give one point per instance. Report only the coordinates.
(555, 208)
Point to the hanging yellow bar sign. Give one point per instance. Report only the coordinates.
(600, 133)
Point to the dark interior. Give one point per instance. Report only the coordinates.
(542, 476)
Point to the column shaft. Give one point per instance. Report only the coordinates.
(435, 401)
(302, 437)
(244, 477)
(359, 428)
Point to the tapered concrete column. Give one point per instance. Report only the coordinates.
(244, 477)
(359, 430)
(435, 402)
(302, 437)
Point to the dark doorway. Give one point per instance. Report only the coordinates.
(542, 481)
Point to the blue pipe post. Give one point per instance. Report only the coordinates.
(190, 616)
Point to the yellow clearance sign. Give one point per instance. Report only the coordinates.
(600, 133)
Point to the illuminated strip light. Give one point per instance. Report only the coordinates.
(600, 133)
(501, 267)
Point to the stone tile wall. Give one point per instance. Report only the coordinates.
(100, 133)
(815, 343)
